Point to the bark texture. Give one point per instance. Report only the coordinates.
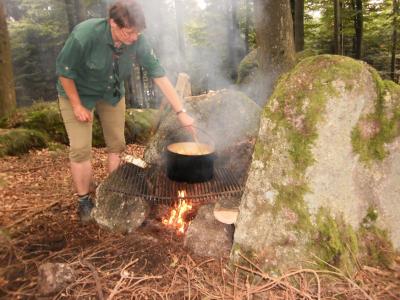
(7, 90)
(274, 30)
(394, 39)
(299, 25)
(358, 27)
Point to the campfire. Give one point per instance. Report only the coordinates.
(177, 217)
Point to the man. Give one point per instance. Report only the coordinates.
(92, 66)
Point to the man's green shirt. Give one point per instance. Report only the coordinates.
(87, 58)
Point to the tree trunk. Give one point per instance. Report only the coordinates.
(274, 30)
(247, 27)
(233, 34)
(70, 11)
(358, 27)
(75, 13)
(394, 40)
(299, 25)
(7, 89)
(337, 28)
(181, 40)
(80, 10)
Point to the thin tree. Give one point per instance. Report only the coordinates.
(247, 26)
(274, 30)
(358, 27)
(299, 25)
(233, 38)
(394, 40)
(181, 40)
(7, 89)
(75, 12)
(337, 30)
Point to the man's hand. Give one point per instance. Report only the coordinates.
(187, 122)
(82, 114)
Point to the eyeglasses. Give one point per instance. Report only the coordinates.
(117, 85)
(129, 32)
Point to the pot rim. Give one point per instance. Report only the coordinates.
(209, 149)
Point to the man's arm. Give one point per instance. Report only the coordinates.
(170, 94)
(81, 113)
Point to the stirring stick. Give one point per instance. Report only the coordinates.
(196, 140)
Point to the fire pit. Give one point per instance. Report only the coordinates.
(152, 184)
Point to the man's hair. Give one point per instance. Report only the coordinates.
(128, 13)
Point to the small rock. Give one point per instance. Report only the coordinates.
(53, 277)
(208, 237)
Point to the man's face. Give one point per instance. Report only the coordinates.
(125, 35)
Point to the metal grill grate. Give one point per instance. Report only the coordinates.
(153, 185)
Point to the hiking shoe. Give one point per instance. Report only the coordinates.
(85, 207)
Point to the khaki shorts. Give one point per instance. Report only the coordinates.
(112, 120)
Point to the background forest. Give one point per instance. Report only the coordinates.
(206, 39)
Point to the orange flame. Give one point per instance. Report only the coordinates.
(175, 219)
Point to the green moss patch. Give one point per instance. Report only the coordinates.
(336, 242)
(381, 127)
(20, 141)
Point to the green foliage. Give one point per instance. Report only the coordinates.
(36, 39)
(377, 30)
(20, 141)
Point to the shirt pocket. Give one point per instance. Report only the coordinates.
(96, 68)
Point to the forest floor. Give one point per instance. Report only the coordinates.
(39, 224)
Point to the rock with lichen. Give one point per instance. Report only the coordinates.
(327, 158)
(116, 206)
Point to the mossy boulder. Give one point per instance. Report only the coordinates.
(248, 77)
(19, 141)
(247, 68)
(314, 179)
(139, 124)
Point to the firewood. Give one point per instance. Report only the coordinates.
(225, 215)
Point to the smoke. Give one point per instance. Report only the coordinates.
(206, 55)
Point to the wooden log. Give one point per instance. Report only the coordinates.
(183, 89)
(224, 214)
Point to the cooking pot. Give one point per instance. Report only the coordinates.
(190, 161)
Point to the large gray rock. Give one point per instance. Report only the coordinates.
(325, 170)
(119, 211)
(208, 237)
(225, 118)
